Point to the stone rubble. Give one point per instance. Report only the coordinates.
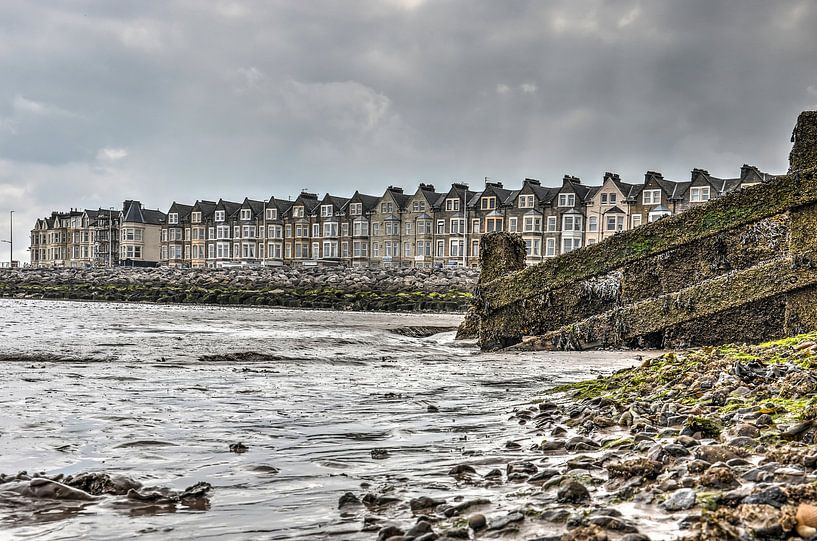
(702, 445)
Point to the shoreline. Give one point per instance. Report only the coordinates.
(237, 306)
(707, 444)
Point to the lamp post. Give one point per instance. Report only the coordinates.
(10, 242)
(110, 237)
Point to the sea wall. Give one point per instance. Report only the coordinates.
(438, 290)
(735, 269)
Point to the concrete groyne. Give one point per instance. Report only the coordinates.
(741, 268)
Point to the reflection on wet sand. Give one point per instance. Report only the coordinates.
(319, 392)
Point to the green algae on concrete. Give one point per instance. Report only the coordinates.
(739, 267)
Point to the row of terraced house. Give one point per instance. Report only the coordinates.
(423, 228)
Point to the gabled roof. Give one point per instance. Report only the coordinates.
(282, 205)
(205, 207)
(751, 174)
(497, 190)
(574, 185)
(257, 207)
(542, 194)
(308, 200)
(614, 210)
(229, 207)
(398, 196)
(368, 202)
(334, 200)
(426, 191)
(181, 209)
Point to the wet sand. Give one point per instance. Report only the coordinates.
(330, 387)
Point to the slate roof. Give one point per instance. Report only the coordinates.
(134, 213)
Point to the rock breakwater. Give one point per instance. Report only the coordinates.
(718, 443)
(384, 289)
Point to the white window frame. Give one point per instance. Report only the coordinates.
(532, 224)
(575, 221)
(653, 199)
(487, 203)
(526, 201)
(512, 224)
(567, 200)
(550, 247)
(575, 244)
(699, 194)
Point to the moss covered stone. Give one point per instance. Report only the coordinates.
(741, 267)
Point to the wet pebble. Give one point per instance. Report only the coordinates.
(462, 470)
(681, 499)
(503, 522)
(238, 448)
(423, 503)
(572, 491)
(477, 521)
(348, 499)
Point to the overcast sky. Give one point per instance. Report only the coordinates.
(187, 99)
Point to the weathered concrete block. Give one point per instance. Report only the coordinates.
(804, 152)
(500, 254)
(740, 268)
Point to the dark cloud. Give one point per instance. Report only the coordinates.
(102, 101)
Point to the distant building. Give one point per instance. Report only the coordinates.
(424, 229)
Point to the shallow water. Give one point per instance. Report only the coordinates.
(137, 400)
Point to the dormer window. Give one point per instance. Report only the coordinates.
(526, 201)
(173, 218)
(567, 200)
(418, 206)
(487, 203)
(219, 217)
(246, 214)
(608, 198)
(272, 214)
(326, 211)
(452, 205)
(699, 194)
(196, 217)
(298, 212)
(386, 207)
(355, 209)
(652, 197)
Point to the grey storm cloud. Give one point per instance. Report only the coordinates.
(185, 99)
